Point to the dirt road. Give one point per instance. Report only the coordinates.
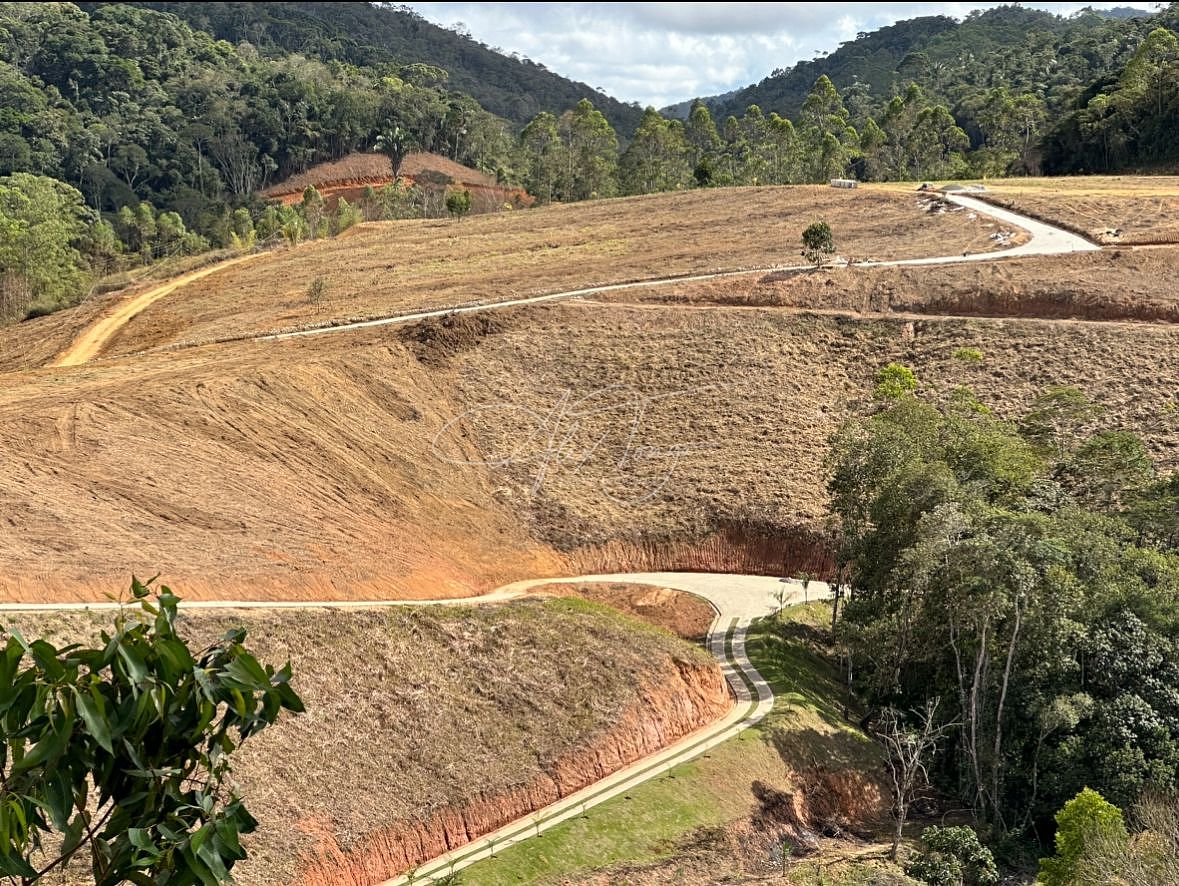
(95, 337)
(1044, 239)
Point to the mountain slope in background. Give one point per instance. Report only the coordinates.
(1007, 46)
(370, 34)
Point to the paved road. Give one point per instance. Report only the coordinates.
(737, 599)
(1044, 239)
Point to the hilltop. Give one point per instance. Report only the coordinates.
(372, 34)
(953, 59)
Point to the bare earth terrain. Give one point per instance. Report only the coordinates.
(398, 267)
(651, 430)
(1117, 210)
(494, 710)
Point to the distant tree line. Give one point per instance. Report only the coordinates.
(128, 135)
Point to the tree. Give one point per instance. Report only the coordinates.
(827, 136)
(1151, 72)
(458, 202)
(314, 212)
(953, 856)
(591, 152)
(42, 222)
(396, 143)
(123, 749)
(908, 750)
(545, 162)
(818, 243)
(703, 141)
(1087, 817)
(656, 158)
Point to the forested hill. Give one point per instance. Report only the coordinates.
(955, 61)
(372, 34)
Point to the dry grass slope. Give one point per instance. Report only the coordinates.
(1118, 210)
(413, 711)
(398, 267)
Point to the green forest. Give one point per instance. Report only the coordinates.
(135, 132)
(1020, 579)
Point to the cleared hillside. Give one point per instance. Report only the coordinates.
(444, 458)
(1115, 210)
(396, 267)
(457, 719)
(413, 464)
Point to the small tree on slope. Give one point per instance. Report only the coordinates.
(818, 243)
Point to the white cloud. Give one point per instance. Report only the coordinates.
(660, 53)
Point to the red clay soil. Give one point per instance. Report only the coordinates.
(349, 176)
(687, 696)
(685, 615)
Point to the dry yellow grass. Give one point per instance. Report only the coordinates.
(367, 464)
(1112, 284)
(395, 267)
(413, 710)
(1141, 209)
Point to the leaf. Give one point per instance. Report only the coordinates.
(73, 835)
(135, 666)
(48, 748)
(15, 866)
(92, 707)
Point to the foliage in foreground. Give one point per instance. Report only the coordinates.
(120, 752)
(1024, 571)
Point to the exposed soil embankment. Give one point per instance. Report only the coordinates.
(684, 697)
(349, 176)
(428, 726)
(1111, 285)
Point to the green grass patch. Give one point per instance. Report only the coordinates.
(652, 821)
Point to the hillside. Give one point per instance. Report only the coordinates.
(458, 721)
(262, 488)
(373, 34)
(350, 177)
(952, 59)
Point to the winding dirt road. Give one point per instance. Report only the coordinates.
(90, 343)
(1044, 239)
(738, 601)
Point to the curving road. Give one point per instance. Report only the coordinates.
(738, 601)
(90, 343)
(1044, 239)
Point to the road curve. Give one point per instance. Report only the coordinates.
(97, 335)
(1044, 239)
(738, 601)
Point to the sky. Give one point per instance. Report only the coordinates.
(662, 53)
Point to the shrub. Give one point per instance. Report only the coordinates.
(969, 355)
(458, 203)
(316, 291)
(818, 243)
(894, 381)
(1086, 818)
(953, 857)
